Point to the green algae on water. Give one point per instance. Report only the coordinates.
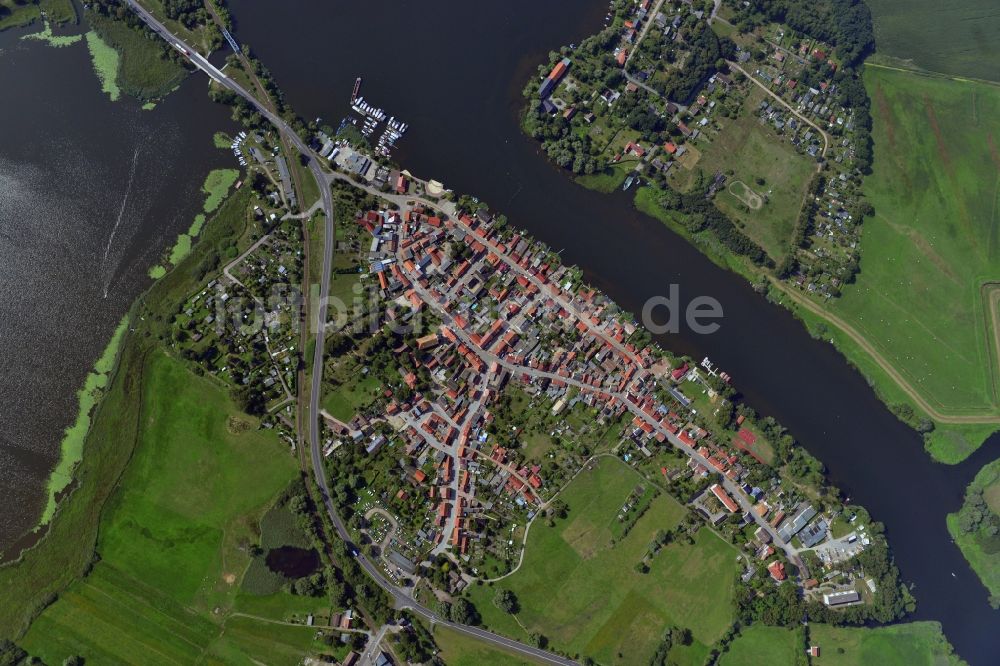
(221, 140)
(216, 187)
(106, 61)
(71, 451)
(57, 41)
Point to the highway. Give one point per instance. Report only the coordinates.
(401, 598)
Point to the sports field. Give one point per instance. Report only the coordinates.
(912, 644)
(932, 246)
(582, 591)
(958, 37)
(766, 177)
(173, 537)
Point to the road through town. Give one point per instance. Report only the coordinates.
(400, 597)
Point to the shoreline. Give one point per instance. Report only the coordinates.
(71, 447)
(62, 477)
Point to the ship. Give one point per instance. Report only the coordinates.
(357, 89)
(628, 183)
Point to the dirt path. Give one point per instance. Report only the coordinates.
(826, 137)
(887, 366)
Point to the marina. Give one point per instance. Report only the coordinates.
(237, 147)
(371, 117)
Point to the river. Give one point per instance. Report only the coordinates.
(454, 71)
(91, 192)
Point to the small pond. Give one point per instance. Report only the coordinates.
(292, 562)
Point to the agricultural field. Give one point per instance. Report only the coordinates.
(580, 588)
(760, 644)
(194, 491)
(980, 548)
(959, 38)
(912, 644)
(174, 538)
(923, 293)
(766, 177)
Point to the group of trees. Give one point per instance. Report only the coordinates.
(847, 24)
(414, 644)
(461, 611)
(569, 149)
(707, 53)
(250, 399)
(671, 637)
(976, 516)
(191, 13)
(701, 214)
(506, 601)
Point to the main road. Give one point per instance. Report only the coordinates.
(401, 599)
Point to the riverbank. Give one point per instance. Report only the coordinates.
(894, 320)
(215, 187)
(71, 449)
(976, 528)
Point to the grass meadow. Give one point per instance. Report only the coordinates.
(760, 644)
(173, 537)
(459, 650)
(912, 644)
(958, 37)
(581, 590)
(750, 151)
(609, 180)
(933, 241)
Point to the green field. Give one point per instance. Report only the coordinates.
(194, 480)
(582, 591)
(173, 537)
(745, 150)
(460, 650)
(610, 179)
(960, 37)
(981, 550)
(913, 644)
(760, 644)
(932, 243)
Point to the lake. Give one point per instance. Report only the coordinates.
(91, 193)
